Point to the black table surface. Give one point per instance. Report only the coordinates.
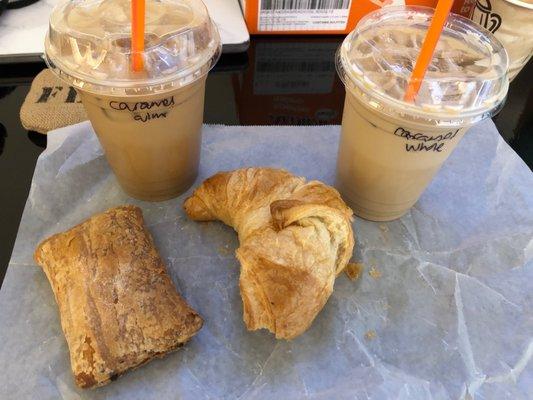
(278, 81)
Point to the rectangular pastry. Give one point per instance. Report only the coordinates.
(118, 306)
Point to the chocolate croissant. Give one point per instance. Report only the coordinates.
(295, 238)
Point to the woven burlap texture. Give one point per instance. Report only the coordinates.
(50, 104)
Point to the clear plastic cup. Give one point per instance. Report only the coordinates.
(390, 149)
(511, 21)
(148, 122)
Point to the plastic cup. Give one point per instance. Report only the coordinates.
(511, 21)
(148, 122)
(390, 149)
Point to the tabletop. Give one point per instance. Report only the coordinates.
(278, 81)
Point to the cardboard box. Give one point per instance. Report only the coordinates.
(311, 17)
(305, 16)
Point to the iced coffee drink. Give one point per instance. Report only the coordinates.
(148, 121)
(390, 149)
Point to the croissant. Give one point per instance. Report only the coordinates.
(295, 238)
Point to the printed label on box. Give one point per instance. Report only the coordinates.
(303, 15)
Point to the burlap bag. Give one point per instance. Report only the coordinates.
(50, 104)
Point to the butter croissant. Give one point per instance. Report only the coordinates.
(295, 238)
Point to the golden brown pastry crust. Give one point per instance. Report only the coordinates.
(118, 306)
(295, 238)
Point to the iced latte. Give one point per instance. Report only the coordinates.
(148, 122)
(391, 149)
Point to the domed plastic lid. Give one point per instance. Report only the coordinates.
(89, 44)
(465, 82)
(526, 4)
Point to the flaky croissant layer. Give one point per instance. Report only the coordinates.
(295, 238)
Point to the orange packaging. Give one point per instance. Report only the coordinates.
(312, 17)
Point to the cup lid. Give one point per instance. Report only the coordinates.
(89, 44)
(465, 82)
(519, 3)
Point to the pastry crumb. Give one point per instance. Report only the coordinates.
(384, 228)
(374, 272)
(354, 270)
(224, 250)
(370, 335)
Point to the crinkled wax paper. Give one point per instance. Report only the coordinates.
(443, 309)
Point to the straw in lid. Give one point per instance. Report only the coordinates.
(89, 45)
(466, 80)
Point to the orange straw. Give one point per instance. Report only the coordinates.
(137, 33)
(428, 47)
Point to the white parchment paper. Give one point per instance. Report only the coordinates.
(446, 313)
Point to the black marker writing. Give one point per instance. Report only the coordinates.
(141, 105)
(422, 137)
(425, 142)
(148, 116)
(437, 147)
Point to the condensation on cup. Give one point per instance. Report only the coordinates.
(148, 122)
(511, 21)
(390, 149)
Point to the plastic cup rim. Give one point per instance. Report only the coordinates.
(522, 4)
(69, 74)
(401, 107)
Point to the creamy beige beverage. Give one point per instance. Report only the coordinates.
(151, 142)
(511, 21)
(380, 176)
(148, 122)
(390, 149)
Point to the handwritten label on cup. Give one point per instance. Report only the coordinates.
(144, 111)
(423, 142)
